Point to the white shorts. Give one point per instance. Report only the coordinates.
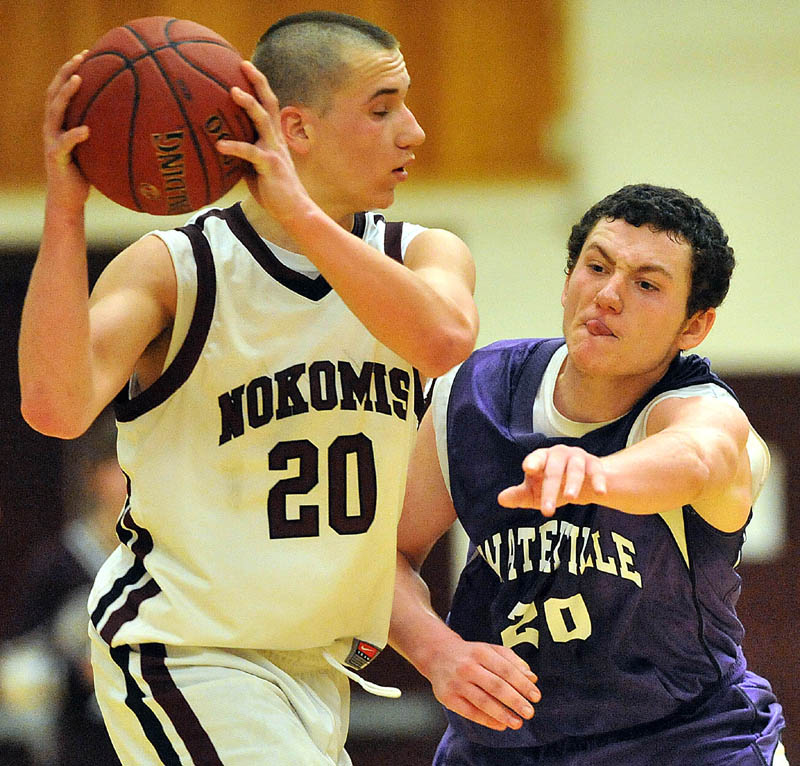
(176, 706)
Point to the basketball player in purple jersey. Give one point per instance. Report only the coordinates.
(605, 480)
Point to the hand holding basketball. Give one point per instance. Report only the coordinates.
(155, 94)
(276, 179)
(64, 179)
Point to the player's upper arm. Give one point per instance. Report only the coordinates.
(132, 304)
(428, 510)
(714, 432)
(444, 262)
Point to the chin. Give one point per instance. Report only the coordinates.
(381, 201)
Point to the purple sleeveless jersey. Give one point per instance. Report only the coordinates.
(629, 621)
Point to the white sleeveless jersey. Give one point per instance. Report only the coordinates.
(267, 464)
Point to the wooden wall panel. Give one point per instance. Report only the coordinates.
(771, 591)
(488, 75)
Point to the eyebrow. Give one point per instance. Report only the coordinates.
(646, 268)
(384, 92)
(389, 91)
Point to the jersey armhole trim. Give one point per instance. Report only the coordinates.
(178, 371)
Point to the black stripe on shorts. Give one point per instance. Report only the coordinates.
(174, 704)
(134, 699)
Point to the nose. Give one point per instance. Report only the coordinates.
(411, 133)
(609, 296)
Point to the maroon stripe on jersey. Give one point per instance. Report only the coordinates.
(129, 609)
(134, 699)
(393, 247)
(392, 240)
(359, 225)
(164, 690)
(420, 401)
(140, 542)
(314, 289)
(182, 365)
(133, 575)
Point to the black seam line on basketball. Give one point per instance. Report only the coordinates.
(131, 134)
(175, 45)
(150, 51)
(108, 82)
(130, 63)
(134, 110)
(187, 121)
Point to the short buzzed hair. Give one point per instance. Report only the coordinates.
(303, 55)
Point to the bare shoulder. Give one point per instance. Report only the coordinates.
(702, 411)
(437, 246)
(444, 261)
(144, 268)
(717, 431)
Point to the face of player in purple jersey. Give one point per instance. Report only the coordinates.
(625, 304)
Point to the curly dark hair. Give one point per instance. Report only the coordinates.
(683, 218)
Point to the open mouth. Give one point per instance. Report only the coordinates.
(402, 170)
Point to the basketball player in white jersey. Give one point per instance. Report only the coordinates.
(270, 358)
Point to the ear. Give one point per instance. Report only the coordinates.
(696, 328)
(564, 291)
(296, 128)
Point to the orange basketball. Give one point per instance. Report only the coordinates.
(155, 95)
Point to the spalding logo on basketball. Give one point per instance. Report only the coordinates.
(155, 94)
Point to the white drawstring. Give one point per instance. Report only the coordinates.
(368, 686)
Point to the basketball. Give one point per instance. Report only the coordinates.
(155, 95)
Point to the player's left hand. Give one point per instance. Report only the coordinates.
(485, 683)
(275, 181)
(556, 476)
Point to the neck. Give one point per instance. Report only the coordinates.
(265, 225)
(587, 398)
(269, 228)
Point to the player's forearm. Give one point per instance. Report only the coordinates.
(423, 325)
(668, 470)
(416, 632)
(54, 331)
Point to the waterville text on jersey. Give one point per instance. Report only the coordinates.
(321, 385)
(542, 548)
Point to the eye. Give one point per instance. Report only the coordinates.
(381, 108)
(648, 286)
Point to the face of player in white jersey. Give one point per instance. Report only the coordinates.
(361, 144)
